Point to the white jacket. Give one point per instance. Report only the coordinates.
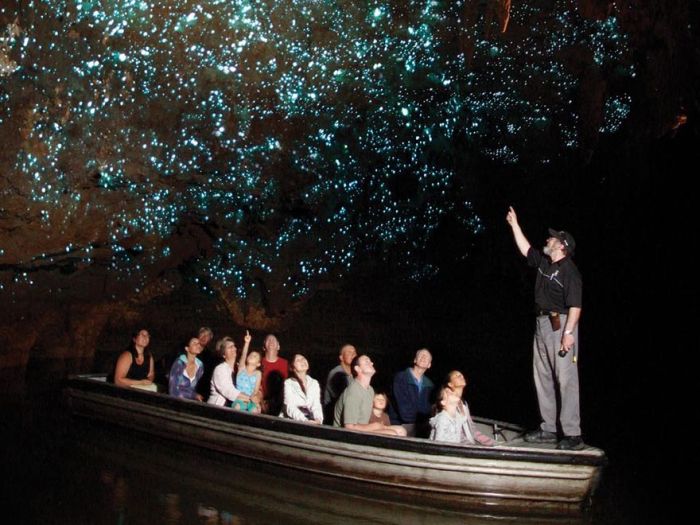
(294, 398)
(222, 388)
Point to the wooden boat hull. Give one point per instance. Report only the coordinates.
(505, 478)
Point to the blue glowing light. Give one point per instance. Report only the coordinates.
(281, 127)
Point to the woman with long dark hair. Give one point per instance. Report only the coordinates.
(302, 393)
(135, 366)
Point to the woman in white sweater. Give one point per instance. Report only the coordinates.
(223, 392)
(302, 393)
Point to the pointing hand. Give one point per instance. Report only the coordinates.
(512, 218)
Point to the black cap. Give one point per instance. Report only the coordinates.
(565, 238)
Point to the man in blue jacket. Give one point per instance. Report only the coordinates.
(412, 395)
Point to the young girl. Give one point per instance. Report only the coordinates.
(449, 425)
(378, 409)
(457, 382)
(454, 423)
(248, 380)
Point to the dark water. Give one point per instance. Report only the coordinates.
(59, 470)
(107, 476)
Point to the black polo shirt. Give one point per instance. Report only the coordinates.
(558, 285)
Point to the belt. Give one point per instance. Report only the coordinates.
(542, 313)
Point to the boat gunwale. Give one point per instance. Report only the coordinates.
(90, 383)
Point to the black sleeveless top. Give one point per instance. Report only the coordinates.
(138, 372)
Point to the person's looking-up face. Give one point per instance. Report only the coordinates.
(457, 379)
(379, 402)
(423, 359)
(300, 364)
(253, 359)
(194, 346)
(347, 354)
(142, 339)
(364, 366)
(552, 246)
(205, 336)
(271, 347)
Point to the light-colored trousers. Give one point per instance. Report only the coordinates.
(556, 378)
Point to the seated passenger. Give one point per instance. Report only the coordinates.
(135, 367)
(208, 358)
(457, 382)
(166, 360)
(379, 414)
(275, 370)
(223, 391)
(449, 425)
(338, 380)
(354, 407)
(302, 394)
(412, 395)
(248, 381)
(186, 372)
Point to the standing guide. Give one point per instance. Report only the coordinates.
(555, 345)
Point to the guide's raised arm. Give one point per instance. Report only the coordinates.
(518, 235)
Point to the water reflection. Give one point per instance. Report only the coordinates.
(147, 480)
(176, 513)
(116, 488)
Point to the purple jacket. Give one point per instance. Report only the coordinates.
(179, 385)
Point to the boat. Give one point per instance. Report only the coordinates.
(513, 477)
